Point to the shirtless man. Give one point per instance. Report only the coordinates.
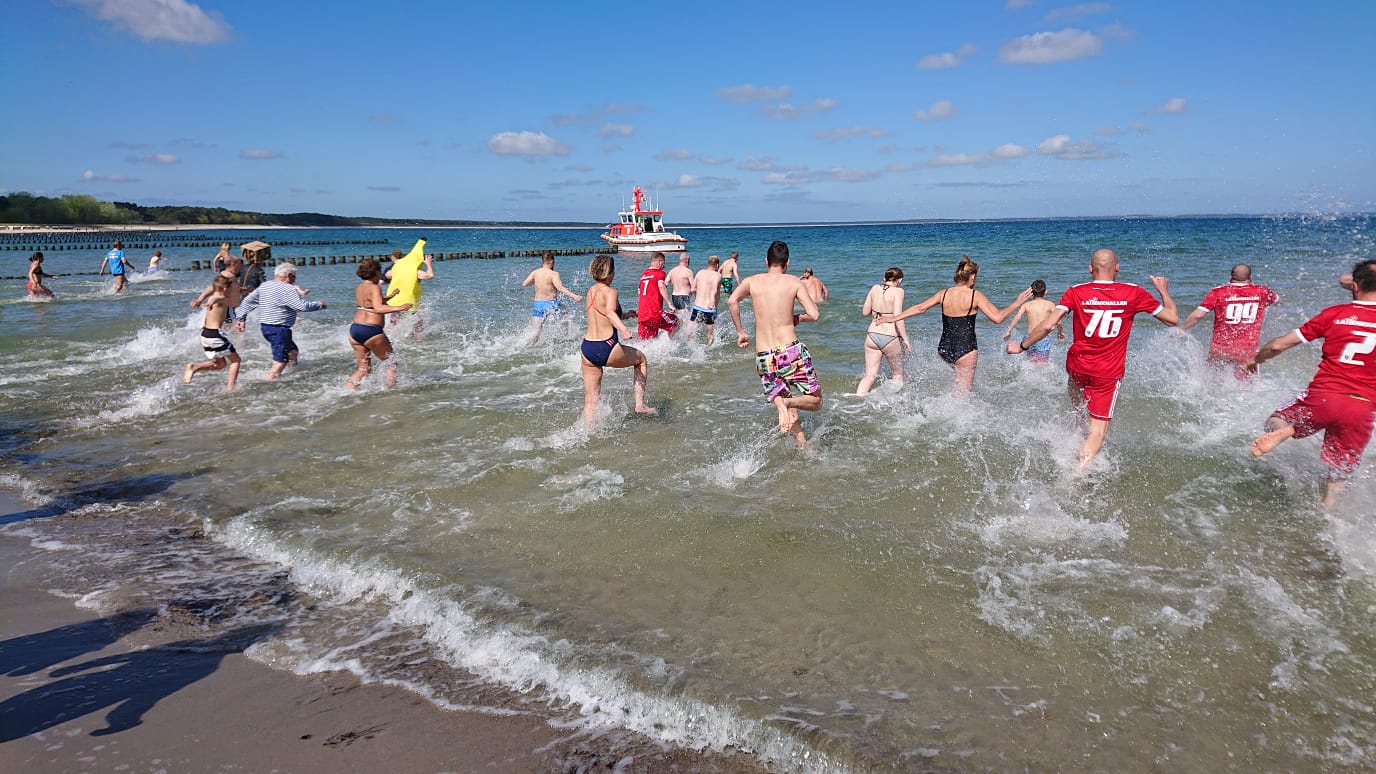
(681, 285)
(784, 364)
(707, 286)
(1036, 310)
(1341, 398)
(1239, 309)
(814, 286)
(233, 294)
(730, 274)
(548, 286)
(1102, 315)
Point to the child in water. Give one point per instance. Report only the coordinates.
(218, 350)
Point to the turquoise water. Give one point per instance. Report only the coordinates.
(929, 584)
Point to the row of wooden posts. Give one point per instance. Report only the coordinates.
(333, 260)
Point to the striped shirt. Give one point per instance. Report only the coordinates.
(279, 301)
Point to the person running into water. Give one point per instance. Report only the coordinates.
(154, 262)
(654, 297)
(1239, 309)
(1035, 310)
(366, 334)
(548, 286)
(36, 275)
(1341, 398)
(784, 364)
(234, 293)
(221, 259)
(815, 287)
(730, 273)
(884, 341)
(601, 346)
(960, 306)
(707, 287)
(118, 265)
(280, 300)
(1102, 312)
(405, 276)
(218, 351)
(681, 286)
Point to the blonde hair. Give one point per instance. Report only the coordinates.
(602, 268)
(966, 270)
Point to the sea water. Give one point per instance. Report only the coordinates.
(929, 584)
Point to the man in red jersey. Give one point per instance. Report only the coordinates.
(1238, 308)
(654, 297)
(1101, 318)
(1341, 398)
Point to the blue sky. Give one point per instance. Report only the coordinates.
(727, 112)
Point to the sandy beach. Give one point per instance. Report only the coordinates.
(140, 690)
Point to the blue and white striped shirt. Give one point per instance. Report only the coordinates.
(279, 301)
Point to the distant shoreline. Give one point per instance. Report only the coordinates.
(141, 228)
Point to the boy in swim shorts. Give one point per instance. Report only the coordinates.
(219, 352)
(786, 372)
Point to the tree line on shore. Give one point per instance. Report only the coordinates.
(82, 210)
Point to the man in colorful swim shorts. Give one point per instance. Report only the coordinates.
(548, 286)
(1102, 314)
(1341, 398)
(784, 364)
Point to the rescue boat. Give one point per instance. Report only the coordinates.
(641, 230)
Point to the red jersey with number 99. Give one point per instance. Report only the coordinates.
(1101, 317)
(1239, 308)
(1349, 349)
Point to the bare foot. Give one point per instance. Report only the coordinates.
(351, 384)
(646, 410)
(1268, 441)
(189, 372)
(786, 417)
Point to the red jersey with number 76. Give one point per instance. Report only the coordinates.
(1101, 318)
(1349, 349)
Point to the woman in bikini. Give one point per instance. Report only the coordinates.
(960, 305)
(884, 341)
(366, 335)
(601, 345)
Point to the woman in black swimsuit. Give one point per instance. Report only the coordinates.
(960, 304)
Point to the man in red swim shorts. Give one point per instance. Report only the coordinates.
(1341, 398)
(1102, 312)
(654, 296)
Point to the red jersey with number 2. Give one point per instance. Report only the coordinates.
(1239, 308)
(1101, 317)
(1349, 349)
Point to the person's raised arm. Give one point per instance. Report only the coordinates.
(996, 316)
(1168, 315)
(428, 273)
(915, 309)
(733, 303)
(1272, 348)
(202, 297)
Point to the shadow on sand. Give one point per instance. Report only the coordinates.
(128, 684)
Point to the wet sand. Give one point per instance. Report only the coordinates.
(138, 691)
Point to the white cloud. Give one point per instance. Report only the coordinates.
(91, 176)
(786, 111)
(752, 93)
(1083, 9)
(940, 110)
(1173, 107)
(174, 20)
(697, 181)
(681, 154)
(259, 154)
(1108, 131)
(896, 168)
(526, 144)
(1008, 151)
(164, 159)
(846, 175)
(616, 130)
(786, 178)
(946, 58)
(1049, 47)
(713, 161)
(577, 168)
(1062, 147)
(833, 135)
(765, 164)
